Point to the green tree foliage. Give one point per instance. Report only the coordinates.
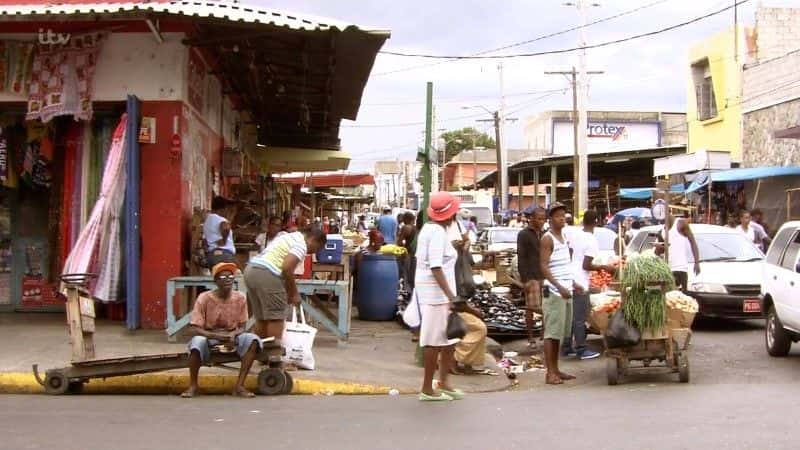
(458, 140)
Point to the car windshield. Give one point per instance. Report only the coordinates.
(484, 215)
(503, 236)
(726, 247)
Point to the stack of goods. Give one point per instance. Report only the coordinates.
(603, 305)
(393, 250)
(644, 281)
(600, 280)
(353, 236)
(500, 315)
(681, 310)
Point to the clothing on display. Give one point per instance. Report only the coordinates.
(16, 59)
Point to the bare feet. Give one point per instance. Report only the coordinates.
(552, 378)
(189, 393)
(242, 392)
(565, 376)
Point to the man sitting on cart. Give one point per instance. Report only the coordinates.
(219, 317)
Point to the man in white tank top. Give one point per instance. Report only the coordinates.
(556, 261)
(682, 250)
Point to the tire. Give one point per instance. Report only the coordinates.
(272, 382)
(612, 371)
(777, 339)
(683, 368)
(289, 384)
(56, 383)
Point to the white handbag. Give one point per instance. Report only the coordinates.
(298, 340)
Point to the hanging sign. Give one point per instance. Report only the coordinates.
(175, 145)
(147, 130)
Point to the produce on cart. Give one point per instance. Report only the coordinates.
(681, 310)
(644, 315)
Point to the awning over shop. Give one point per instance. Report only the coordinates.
(743, 174)
(646, 193)
(296, 76)
(286, 160)
(332, 180)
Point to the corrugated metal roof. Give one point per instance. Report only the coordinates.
(234, 12)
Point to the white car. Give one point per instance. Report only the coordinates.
(499, 239)
(729, 284)
(781, 280)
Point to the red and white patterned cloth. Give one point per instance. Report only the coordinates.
(61, 78)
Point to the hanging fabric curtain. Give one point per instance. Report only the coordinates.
(98, 248)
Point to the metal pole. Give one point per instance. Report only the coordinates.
(474, 165)
(553, 184)
(582, 178)
(501, 176)
(535, 186)
(576, 168)
(426, 165)
(501, 118)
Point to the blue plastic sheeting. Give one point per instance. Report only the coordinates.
(744, 174)
(646, 193)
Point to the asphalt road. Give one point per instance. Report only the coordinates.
(739, 398)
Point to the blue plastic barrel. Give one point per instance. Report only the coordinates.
(376, 291)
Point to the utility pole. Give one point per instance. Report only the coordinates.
(426, 157)
(580, 176)
(474, 165)
(502, 151)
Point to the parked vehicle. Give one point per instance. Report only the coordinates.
(499, 239)
(482, 213)
(781, 279)
(729, 284)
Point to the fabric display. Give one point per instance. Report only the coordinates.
(16, 60)
(61, 78)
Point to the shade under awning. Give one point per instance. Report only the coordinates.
(286, 159)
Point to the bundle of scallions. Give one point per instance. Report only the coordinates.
(644, 306)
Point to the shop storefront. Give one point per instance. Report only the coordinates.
(69, 73)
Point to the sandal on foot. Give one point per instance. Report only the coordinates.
(455, 394)
(442, 397)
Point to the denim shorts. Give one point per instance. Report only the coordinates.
(203, 345)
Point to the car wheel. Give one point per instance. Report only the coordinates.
(777, 339)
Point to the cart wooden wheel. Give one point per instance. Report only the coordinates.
(289, 384)
(56, 383)
(612, 371)
(272, 381)
(683, 368)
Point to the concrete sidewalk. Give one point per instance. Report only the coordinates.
(378, 358)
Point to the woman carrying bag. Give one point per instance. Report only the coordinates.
(435, 291)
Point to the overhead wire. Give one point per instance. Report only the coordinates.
(573, 49)
(530, 41)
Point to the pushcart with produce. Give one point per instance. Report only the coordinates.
(646, 325)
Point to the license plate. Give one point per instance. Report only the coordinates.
(751, 306)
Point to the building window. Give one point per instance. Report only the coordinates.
(704, 91)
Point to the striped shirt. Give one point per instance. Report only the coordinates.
(278, 249)
(560, 264)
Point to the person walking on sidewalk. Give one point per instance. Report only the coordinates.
(557, 305)
(269, 278)
(387, 225)
(219, 317)
(584, 250)
(435, 291)
(530, 268)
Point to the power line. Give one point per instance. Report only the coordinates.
(462, 99)
(529, 41)
(573, 49)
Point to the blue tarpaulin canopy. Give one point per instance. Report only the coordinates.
(743, 174)
(646, 193)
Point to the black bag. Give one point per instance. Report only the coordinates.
(465, 284)
(620, 333)
(456, 327)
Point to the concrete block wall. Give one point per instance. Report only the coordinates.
(760, 148)
(778, 31)
(770, 82)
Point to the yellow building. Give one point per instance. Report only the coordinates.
(714, 111)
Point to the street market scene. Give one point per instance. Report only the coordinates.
(325, 224)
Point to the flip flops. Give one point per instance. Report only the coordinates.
(442, 397)
(455, 394)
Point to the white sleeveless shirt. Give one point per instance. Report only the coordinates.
(560, 264)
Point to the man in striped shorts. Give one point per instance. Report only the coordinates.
(556, 261)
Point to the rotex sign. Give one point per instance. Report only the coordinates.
(614, 132)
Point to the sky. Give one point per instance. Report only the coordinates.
(647, 74)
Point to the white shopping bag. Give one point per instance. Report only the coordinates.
(412, 316)
(298, 339)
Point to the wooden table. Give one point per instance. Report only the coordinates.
(175, 324)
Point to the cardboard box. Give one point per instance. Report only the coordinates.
(679, 319)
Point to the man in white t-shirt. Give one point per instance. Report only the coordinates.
(755, 233)
(218, 234)
(584, 250)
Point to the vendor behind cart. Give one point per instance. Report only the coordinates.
(269, 278)
(219, 318)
